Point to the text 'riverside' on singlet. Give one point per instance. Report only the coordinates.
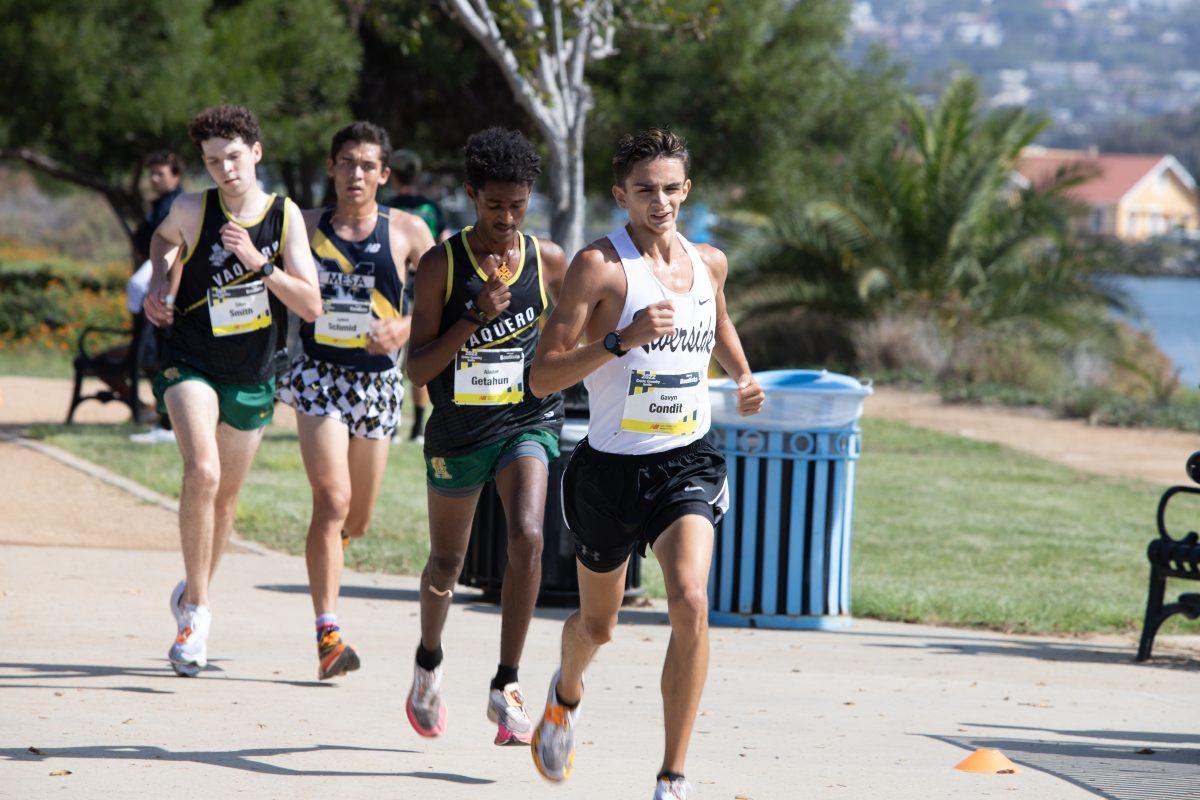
(655, 397)
(483, 395)
(359, 284)
(228, 325)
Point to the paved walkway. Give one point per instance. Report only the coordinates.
(879, 711)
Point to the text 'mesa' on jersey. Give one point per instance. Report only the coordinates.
(359, 284)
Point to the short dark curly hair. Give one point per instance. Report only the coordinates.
(225, 122)
(645, 145)
(364, 133)
(501, 155)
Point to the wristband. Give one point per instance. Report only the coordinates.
(476, 315)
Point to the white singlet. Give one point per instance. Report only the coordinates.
(655, 397)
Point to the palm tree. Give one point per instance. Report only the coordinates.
(930, 221)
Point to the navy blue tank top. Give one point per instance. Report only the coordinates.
(359, 284)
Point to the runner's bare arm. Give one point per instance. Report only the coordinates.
(428, 353)
(554, 267)
(296, 283)
(167, 246)
(728, 348)
(560, 361)
(408, 238)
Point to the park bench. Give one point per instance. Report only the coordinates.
(1171, 558)
(91, 364)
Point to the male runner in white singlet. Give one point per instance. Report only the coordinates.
(651, 308)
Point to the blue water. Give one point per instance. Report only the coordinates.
(1170, 309)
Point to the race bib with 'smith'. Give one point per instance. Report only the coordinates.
(238, 309)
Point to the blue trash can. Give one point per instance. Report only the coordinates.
(782, 554)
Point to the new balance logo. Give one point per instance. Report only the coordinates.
(373, 247)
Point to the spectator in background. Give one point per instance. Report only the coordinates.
(406, 169)
(166, 183)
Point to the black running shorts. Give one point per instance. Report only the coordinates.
(613, 503)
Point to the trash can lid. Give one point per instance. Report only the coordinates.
(808, 381)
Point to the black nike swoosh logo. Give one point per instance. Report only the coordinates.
(702, 302)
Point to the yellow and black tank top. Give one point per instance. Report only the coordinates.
(483, 395)
(228, 325)
(359, 284)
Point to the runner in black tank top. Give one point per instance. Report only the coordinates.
(345, 387)
(228, 264)
(469, 411)
(227, 325)
(479, 304)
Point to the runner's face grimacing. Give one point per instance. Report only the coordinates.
(358, 171)
(230, 163)
(653, 192)
(500, 208)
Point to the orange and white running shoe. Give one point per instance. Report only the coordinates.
(334, 656)
(553, 744)
(189, 652)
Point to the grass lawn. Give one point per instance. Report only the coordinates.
(947, 530)
(37, 363)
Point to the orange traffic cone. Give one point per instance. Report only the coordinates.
(988, 759)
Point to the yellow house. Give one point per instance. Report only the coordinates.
(1133, 197)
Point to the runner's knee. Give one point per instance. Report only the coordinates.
(202, 474)
(688, 607)
(444, 569)
(331, 501)
(525, 541)
(599, 629)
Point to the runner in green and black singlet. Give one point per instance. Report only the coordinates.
(479, 303)
(228, 264)
(227, 324)
(483, 395)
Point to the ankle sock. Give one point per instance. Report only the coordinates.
(504, 676)
(564, 703)
(670, 776)
(326, 623)
(429, 659)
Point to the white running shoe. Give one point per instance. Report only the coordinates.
(177, 604)
(189, 653)
(553, 744)
(425, 709)
(507, 709)
(153, 436)
(671, 789)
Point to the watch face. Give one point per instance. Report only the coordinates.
(612, 342)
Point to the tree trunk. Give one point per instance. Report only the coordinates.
(567, 207)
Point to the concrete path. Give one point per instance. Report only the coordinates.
(881, 711)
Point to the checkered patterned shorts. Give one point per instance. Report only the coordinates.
(368, 402)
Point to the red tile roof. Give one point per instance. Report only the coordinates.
(1115, 173)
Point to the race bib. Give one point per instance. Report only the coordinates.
(659, 403)
(489, 377)
(239, 309)
(344, 323)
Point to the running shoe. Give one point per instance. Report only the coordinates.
(553, 744)
(668, 789)
(425, 708)
(507, 709)
(189, 654)
(177, 604)
(153, 436)
(334, 656)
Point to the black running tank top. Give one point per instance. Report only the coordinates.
(483, 395)
(359, 283)
(228, 325)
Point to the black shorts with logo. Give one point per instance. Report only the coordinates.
(613, 503)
